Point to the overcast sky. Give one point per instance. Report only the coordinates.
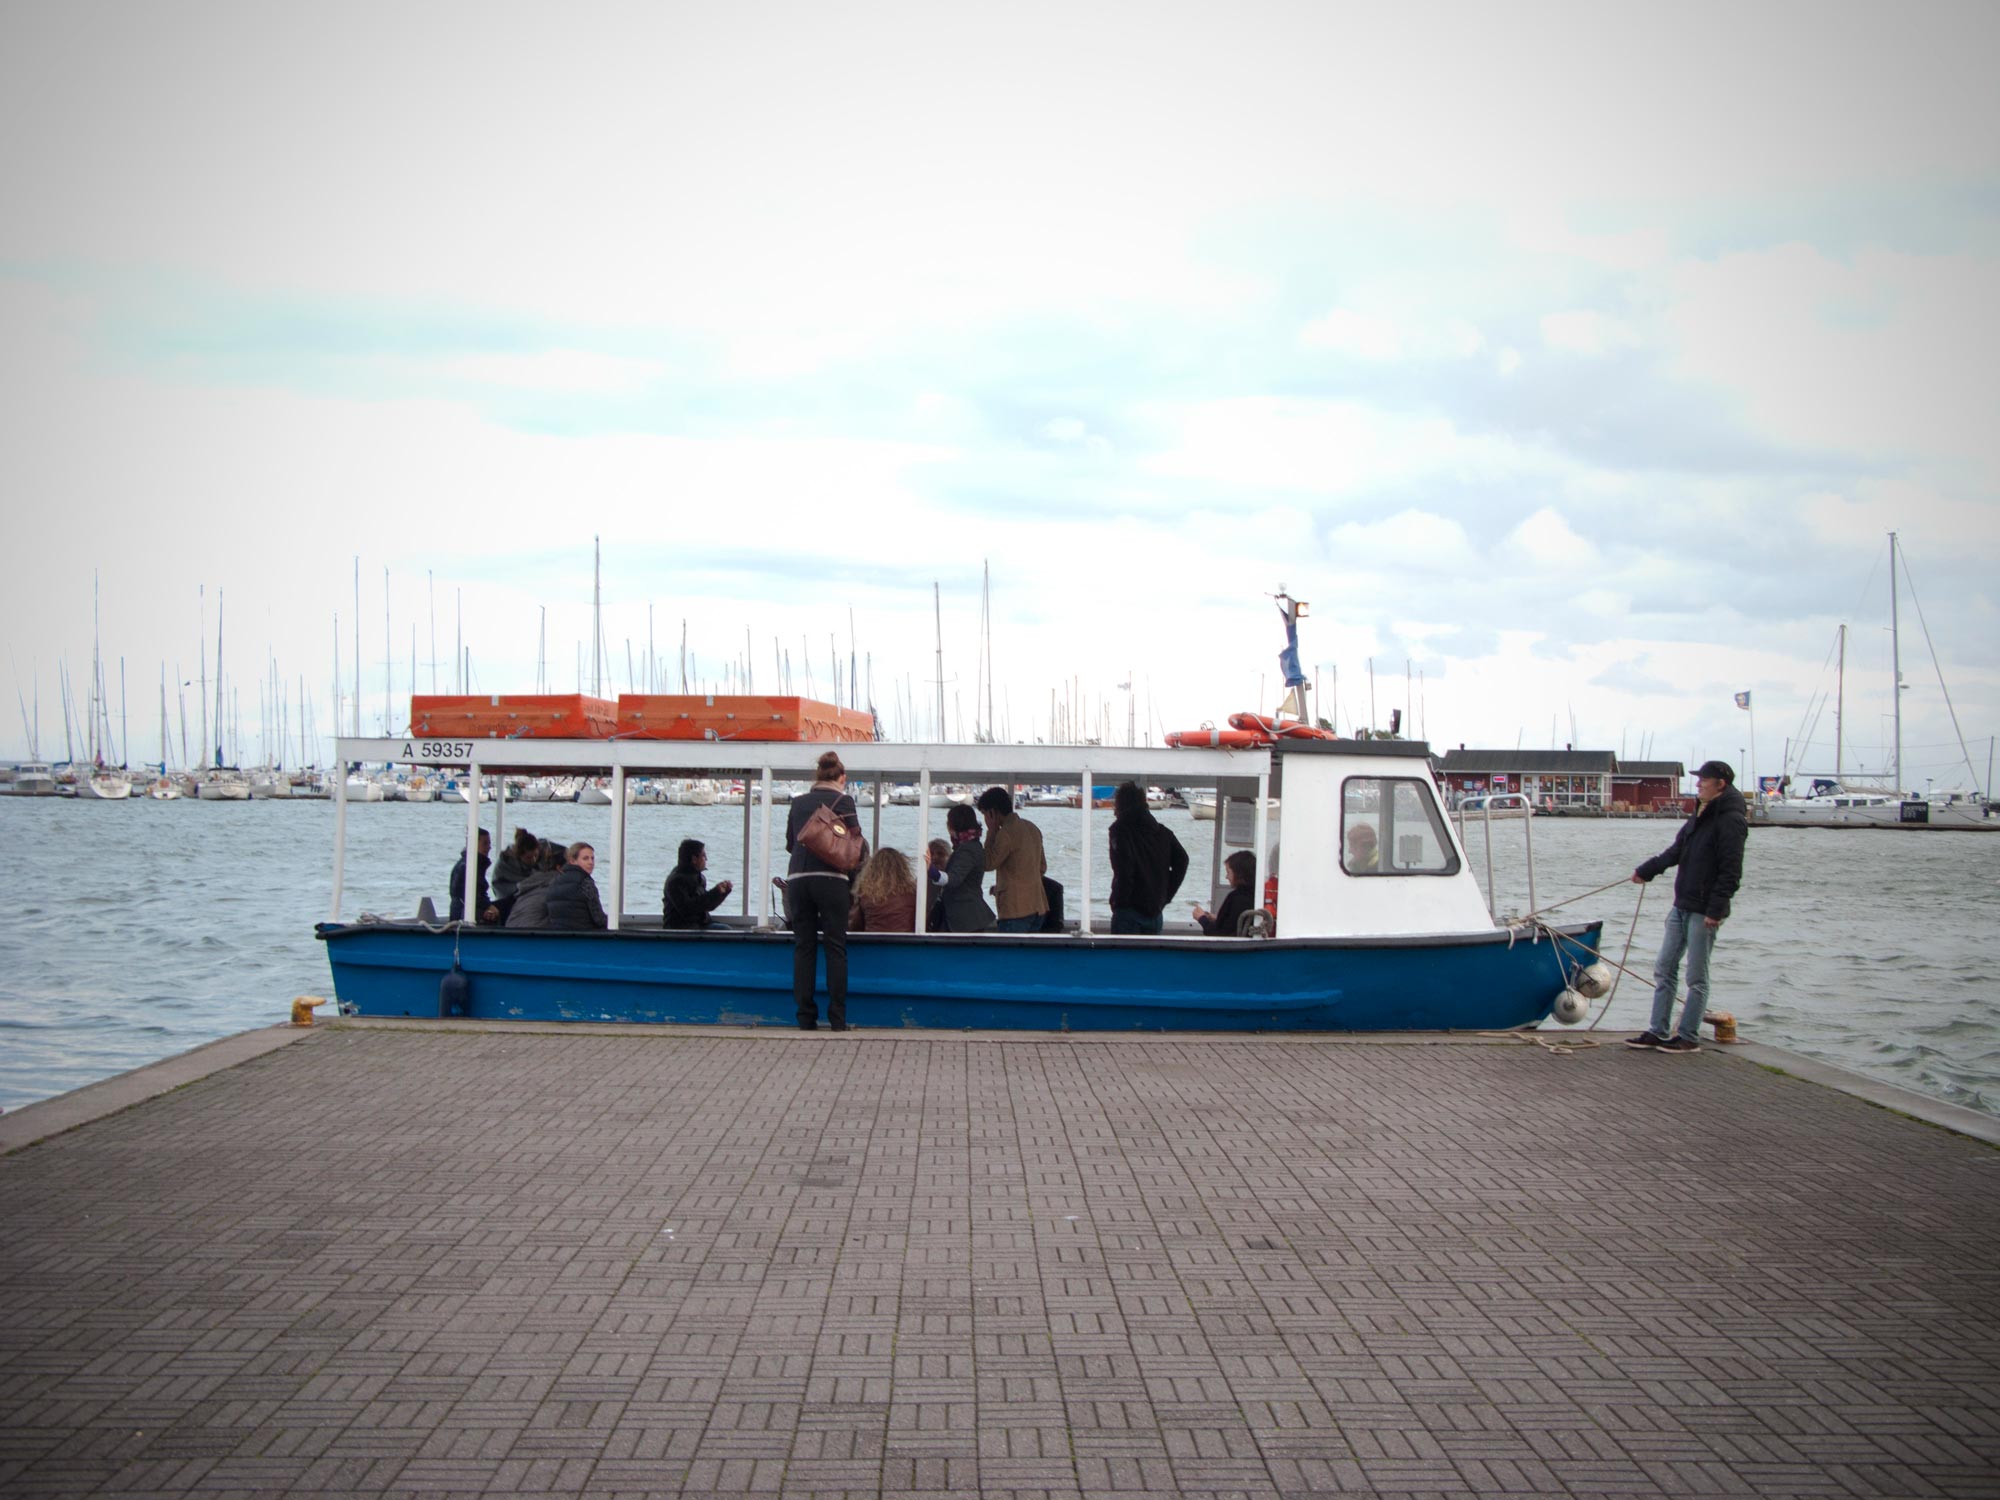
(1578, 359)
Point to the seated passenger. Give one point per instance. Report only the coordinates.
(686, 900)
(961, 903)
(1364, 854)
(885, 897)
(1241, 871)
(573, 902)
(512, 867)
(531, 897)
(483, 909)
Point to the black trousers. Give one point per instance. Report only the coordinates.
(819, 915)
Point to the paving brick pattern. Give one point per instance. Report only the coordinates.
(433, 1263)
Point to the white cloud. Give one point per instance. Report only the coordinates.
(1545, 541)
(1412, 541)
(1584, 332)
(565, 370)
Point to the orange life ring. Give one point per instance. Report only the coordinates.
(1290, 729)
(1216, 739)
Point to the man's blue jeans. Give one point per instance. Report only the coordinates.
(1687, 932)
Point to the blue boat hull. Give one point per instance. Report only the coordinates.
(1479, 982)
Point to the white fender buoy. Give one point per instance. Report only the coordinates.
(1594, 983)
(1571, 1007)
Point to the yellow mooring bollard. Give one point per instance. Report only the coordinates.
(302, 1009)
(1724, 1024)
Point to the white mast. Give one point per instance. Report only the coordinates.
(596, 619)
(357, 645)
(1896, 663)
(937, 610)
(1839, 700)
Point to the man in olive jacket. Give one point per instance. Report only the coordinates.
(1709, 851)
(1014, 855)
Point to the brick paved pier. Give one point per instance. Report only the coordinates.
(476, 1261)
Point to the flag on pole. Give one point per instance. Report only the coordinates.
(1742, 700)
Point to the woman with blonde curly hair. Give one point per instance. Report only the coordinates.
(885, 897)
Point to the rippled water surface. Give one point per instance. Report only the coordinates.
(141, 929)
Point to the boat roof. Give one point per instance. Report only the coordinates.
(1233, 771)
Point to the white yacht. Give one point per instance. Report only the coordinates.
(103, 784)
(360, 789)
(223, 786)
(267, 784)
(163, 789)
(33, 778)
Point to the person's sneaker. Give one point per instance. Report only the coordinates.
(1679, 1044)
(1645, 1041)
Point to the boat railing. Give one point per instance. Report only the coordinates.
(1484, 815)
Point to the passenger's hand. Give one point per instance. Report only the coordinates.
(1713, 922)
(1199, 914)
(1638, 879)
(726, 887)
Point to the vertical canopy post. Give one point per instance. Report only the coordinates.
(1083, 846)
(617, 911)
(763, 848)
(471, 886)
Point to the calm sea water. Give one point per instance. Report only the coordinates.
(141, 929)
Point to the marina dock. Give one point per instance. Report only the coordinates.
(436, 1259)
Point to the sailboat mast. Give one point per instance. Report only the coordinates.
(218, 679)
(1896, 664)
(203, 638)
(937, 614)
(388, 659)
(430, 586)
(1839, 700)
(596, 619)
(357, 646)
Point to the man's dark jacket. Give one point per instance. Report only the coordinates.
(458, 889)
(573, 904)
(687, 900)
(1147, 864)
(1709, 851)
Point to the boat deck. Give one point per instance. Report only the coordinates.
(468, 1259)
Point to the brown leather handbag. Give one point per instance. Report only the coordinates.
(831, 841)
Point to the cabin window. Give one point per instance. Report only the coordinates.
(1391, 825)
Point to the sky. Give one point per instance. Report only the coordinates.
(1572, 362)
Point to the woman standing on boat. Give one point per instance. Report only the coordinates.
(816, 898)
(961, 907)
(1147, 864)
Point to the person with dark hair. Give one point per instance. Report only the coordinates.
(1014, 855)
(961, 905)
(1148, 864)
(574, 905)
(512, 867)
(816, 898)
(1709, 851)
(483, 908)
(885, 895)
(686, 900)
(531, 898)
(1241, 871)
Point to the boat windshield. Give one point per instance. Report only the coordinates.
(1391, 825)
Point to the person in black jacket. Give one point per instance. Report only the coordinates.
(816, 898)
(686, 900)
(516, 863)
(573, 902)
(483, 909)
(531, 898)
(961, 903)
(1147, 863)
(1241, 870)
(1709, 851)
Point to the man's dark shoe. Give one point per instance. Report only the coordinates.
(1645, 1041)
(809, 1026)
(840, 1026)
(1678, 1045)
